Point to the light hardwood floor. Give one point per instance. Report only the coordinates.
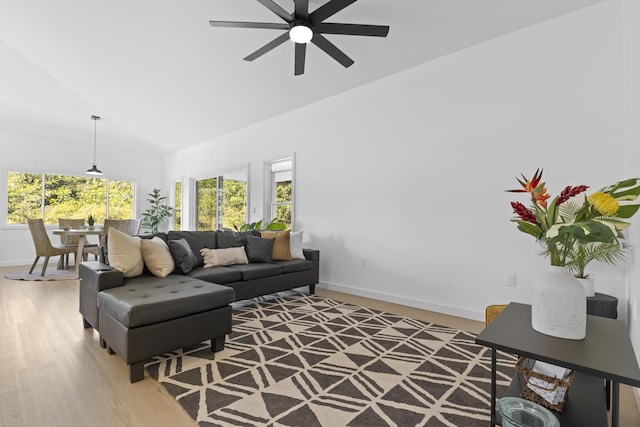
(54, 373)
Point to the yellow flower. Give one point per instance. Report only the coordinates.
(604, 203)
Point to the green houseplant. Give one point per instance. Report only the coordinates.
(157, 212)
(91, 221)
(272, 225)
(583, 253)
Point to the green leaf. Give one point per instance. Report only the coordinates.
(627, 211)
(630, 190)
(529, 228)
(276, 226)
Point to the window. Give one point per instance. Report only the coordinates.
(51, 196)
(177, 206)
(221, 201)
(279, 190)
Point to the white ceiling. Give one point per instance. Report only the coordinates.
(163, 79)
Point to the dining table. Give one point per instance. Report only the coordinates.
(82, 234)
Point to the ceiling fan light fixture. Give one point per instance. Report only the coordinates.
(94, 169)
(300, 32)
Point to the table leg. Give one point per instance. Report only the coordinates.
(80, 253)
(493, 387)
(615, 403)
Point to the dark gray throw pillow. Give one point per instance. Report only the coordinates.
(259, 249)
(182, 255)
(197, 240)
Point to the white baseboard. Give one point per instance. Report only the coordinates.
(408, 301)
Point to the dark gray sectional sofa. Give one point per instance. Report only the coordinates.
(144, 316)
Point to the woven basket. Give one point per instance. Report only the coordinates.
(551, 392)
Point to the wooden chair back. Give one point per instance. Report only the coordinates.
(73, 223)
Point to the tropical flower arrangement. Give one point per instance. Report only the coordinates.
(567, 227)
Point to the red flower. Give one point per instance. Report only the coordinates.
(524, 213)
(533, 186)
(570, 191)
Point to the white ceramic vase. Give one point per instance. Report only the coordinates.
(589, 286)
(559, 306)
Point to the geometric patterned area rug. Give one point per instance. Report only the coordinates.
(301, 360)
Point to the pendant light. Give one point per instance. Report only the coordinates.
(94, 170)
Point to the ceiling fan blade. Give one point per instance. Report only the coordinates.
(273, 7)
(327, 10)
(353, 29)
(331, 50)
(269, 46)
(301, 9)
(267, 25)
(301, 51)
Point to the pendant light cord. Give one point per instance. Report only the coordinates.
(95, 137)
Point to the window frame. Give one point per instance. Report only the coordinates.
(4, 200)
(270, 189)
(234, 173)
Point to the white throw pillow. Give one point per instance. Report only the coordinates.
(124, 253)
(295, 244)
(227, 256)
(157, 256)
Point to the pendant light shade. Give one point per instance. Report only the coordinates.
(94, 169)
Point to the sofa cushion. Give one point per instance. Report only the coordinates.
(148, 299)
(124, 253)
(257, 271)
(157, 257)
(222, 257)
(183, 256)
(219, 275)
(295, 265)
(232, 239)
(281, 246)
(197, 240)
(259, 249)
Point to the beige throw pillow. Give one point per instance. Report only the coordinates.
(281, 246)
(157, 256)
(227, 256)
(124, 253)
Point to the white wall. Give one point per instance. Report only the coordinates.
(408, 172)
(631, 16)
(44, 155)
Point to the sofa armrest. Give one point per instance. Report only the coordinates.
(311, 254)
(100, 276)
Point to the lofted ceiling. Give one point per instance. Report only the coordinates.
(163, 79)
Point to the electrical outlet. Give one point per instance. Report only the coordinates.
(510, 279)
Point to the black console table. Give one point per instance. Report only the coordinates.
(606, 352)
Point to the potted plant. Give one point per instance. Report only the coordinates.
(272, 225)
(157, 212)
(583, 253)
(91, 221)
(559, 304)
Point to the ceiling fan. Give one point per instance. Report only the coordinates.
(303, 27)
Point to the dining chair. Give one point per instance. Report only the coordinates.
(43, 244)
(71, 241)
(128, 226)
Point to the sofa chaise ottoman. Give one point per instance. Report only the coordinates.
(151, 317)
